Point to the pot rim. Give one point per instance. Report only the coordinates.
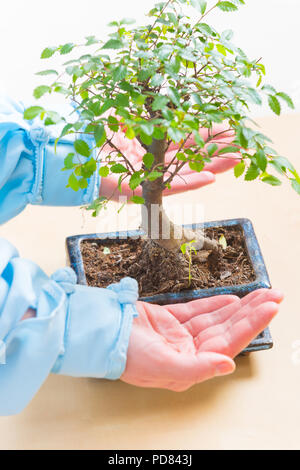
(262, 342)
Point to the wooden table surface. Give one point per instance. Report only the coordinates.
(258, 407)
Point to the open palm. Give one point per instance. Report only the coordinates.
(187, 179)
(177, 346)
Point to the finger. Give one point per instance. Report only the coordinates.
(271, 295)
(190, 182)
(228, 317)
(221, 164)
(263, 295)
(110, 186)
(218, 165)
(219, 132)
(187, 370)
(245, 300)
(238, 336)
(184, 312)
(208, 321)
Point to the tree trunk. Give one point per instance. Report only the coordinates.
(155, 221)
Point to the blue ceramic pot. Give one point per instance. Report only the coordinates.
(264, 340)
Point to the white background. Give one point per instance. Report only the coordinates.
(267, 28)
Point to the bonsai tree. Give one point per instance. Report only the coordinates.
(160, 84)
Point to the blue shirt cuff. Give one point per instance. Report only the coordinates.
(78, 330)
(31, 167)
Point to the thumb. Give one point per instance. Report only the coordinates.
(192, 369)
(213, 365)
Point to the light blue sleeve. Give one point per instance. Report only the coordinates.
(30, 168)
(78, 331)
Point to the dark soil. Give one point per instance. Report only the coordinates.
(158, 271)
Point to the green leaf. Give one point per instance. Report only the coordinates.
(120, 73)
(223, 242)
(159, 102)
(82, 148)
(200, 5)
(261, 159)
(199, 140)
(118, 168)
(229, 149)
(172, 18)
(135, 180)
(106, 250)
(127, 21)
(113, 24)
(269, 89)
(83, 183)
(68, 161)
(146, 139)
(157, 80)
(221, 49)
(41, 91)
(67, 48)
(89, 168)
(183, 248)
(73, 182)
(106, 106)
(174, 96)
(113, 44)
(254, 95)
(272, 180)
(284, 163)
(274, 105)
(159, 133)
(242, 137)
(113, 124)
(196, 166)
(227, 35)
(252, 173)
(211, 149)
(48, 52)
(181, 157)
(148, 160)
(287, 99)
(99, 133)
(47, 72)
(33, 112)
(296, 186)
(175, 134)
(164, 52)
(104, 171)
(205, 29)
(130, 134)
(239, 169)
(147, 128)
(122, 100)
(53, 118)
(137, 200)
(227, 6)
(91, 40)
(154, 175)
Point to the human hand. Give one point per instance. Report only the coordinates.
(187, 179)
(177, 346)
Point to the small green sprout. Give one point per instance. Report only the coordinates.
(106, 251)
(223, 242)
(188, 249)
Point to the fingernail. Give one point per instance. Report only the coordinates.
(223, 369)
(279, 295)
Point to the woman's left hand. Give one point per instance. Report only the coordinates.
(177, 346)
(187, 179)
